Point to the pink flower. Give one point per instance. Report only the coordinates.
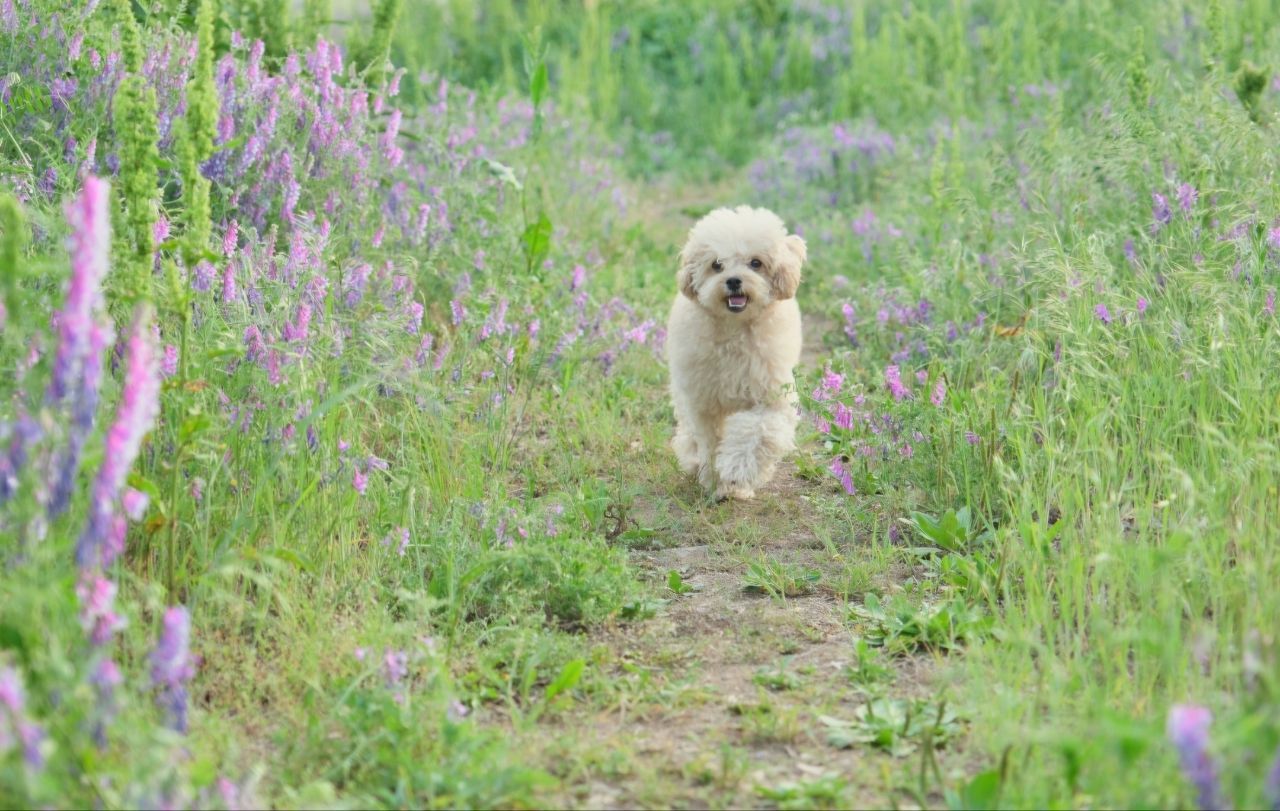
(832, 381)
(90, 243)
(169, 365)
(892, 378)
(843, 416)
(360, 481)
(230, 238)
(228, 283)
(135, 503)
(1142, 305)
(1187, 196)
(139, 407)
(1270, 307)
(939, 393)
(842, 473)
(1103, 314)
(98, 618)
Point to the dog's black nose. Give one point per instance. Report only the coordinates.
(733, 284)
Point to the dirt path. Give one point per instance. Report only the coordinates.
(725, 697)
(723, 692)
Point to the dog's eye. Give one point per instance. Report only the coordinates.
(717, 266)
(756, 264)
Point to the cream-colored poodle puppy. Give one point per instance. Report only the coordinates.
(733, 340)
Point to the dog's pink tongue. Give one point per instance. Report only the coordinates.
(738, 301)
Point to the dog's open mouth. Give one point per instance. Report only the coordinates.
(737, 302)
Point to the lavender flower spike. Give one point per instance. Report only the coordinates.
(171, 666)
(90, 243)
(1188, 731)
(101, 540)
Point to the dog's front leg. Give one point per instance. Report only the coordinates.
(752, 443)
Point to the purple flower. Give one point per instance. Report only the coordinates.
(1160, 211)
(1273, 237)
(972, 438)
(229, 283)
(842, 415)
(230, 239)
(13, 717)
(169, 364)
(1188, 731)
(1130, 252)
(360, 481)
(84, 414)
(90, 242)
(139, 407)
(171, 665)
(1142, 305)
(202, 277)
(255, 348)
(1103, 314)
(892, 378)
(1187, 196)
(22, 434)
(459, 312)
(578, 278)
(395, 666)
(97, 613)
(12, 696)
(1270, 307)
(831, 381)
(842, 473)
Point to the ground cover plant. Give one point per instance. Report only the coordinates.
(333, 465)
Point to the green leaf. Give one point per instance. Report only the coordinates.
(504, 173)
(982, 791)
(676, 583)
(537, 241)
(538, 84)
(569, 676)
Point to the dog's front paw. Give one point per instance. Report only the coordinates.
(707, 476)
(731, 489)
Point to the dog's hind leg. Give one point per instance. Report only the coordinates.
(753, 442)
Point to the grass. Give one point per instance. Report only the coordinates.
(409, 473)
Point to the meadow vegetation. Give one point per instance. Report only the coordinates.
(333, 465)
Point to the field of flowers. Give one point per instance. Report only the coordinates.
(333, 466)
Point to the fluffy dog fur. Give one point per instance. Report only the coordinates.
(731, 362)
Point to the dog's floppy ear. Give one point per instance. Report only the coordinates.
(786, 278)
(689, 260)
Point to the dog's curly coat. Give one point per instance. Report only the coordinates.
(733, 340)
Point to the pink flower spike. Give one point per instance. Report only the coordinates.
(90, 243)
(139, 407)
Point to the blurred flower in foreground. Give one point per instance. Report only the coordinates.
(171, 666)
(1188, 731)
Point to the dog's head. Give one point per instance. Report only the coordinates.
(738, 261)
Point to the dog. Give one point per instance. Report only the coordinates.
(733, 341)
